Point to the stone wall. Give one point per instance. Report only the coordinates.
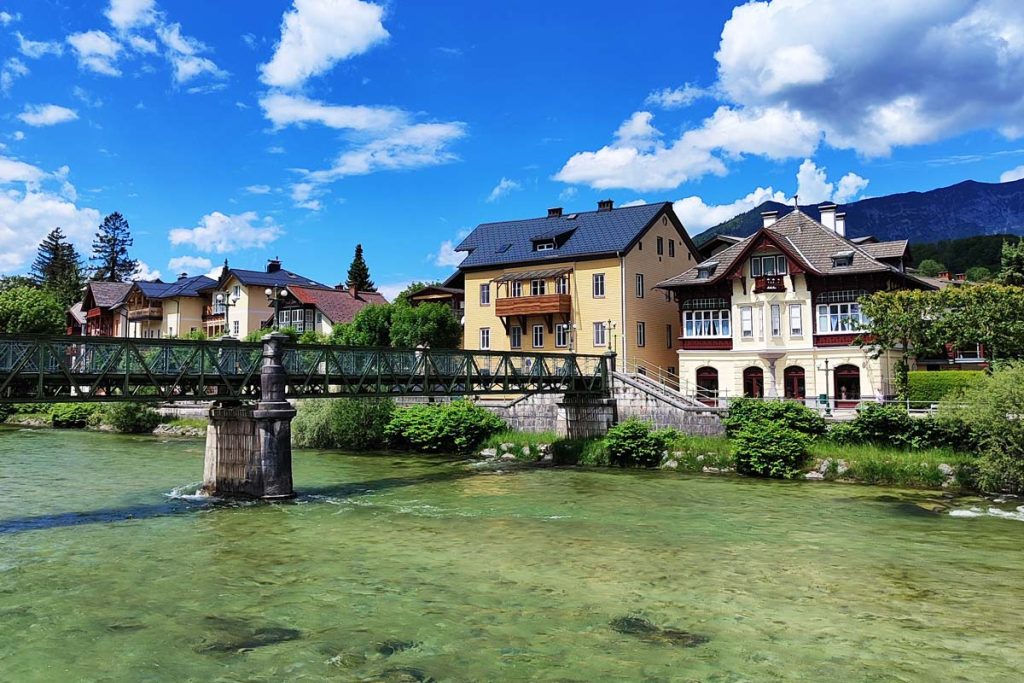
(633, 401)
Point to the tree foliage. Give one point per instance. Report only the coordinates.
(370, 327)
(1011, 263)
(58, 268)
(27, 310)
(432, 325)
(359, 273)
(110, 250)
(930, 267)
(979, 274)
(403, 296)
(901, 320)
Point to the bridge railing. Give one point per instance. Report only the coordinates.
(58, 368)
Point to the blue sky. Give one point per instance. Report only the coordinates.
(245, 130)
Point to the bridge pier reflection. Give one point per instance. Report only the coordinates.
(249, 450)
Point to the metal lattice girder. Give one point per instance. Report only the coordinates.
(52, 368)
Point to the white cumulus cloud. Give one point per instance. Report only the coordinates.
(258, 189)
(446, 255)
(127, 14)
(316, 34)
(144, 272)
(189, 264)
(1011, 175)
(6, 18)
(184, 54)
(283, 110)
(12, 70)
(675, 98)
(96, 51)
(221, 233)
(46, 114)
(814, 187)
(504, 187)
(698, 216)
(34, 49)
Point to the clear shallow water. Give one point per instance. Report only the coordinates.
(481, 577)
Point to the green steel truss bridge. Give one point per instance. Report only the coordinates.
(44, 369)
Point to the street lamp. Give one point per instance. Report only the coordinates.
(274, 298)
(227, 304)
(828, 402)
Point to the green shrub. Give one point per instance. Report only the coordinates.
(931, 387)
(586, 452)
(71, 415)
(891, 425)
(130, 418)
(345, 423)
(795, 415)
(456, 427)
(992, 410)
(770, 449)
(634, 443)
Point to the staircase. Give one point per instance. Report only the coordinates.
(659, 390)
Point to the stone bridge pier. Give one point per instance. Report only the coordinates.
(249, 449)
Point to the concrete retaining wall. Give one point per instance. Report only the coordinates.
(634, 402)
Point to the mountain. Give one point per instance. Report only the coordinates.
(966, 209)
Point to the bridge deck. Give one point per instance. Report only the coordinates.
(55, 368)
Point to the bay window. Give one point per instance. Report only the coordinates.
(840, 317)
(706, 323)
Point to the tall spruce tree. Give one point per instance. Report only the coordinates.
(110, 250)
(58, 268)
(359, 273)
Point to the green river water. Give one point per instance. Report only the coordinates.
(401, 568)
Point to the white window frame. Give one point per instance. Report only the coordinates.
(759, 265)
(639, 285)
(538, 334)
(776, 317)
(297, 320)
(515, 337)
(561, 336)
(601, 334)
(309, 319)
(236, 327)
(746, 322)
(562, 285)
(538, 287)
(545, 246)
(796, 320)
(641, 334)
(841, 317)
(283, 318)
(485, 294)
(517, 288)
(707, 324)
(485, 338)
(236, 292)
(597, 284)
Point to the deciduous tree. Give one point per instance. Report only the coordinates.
(904, 321)
(930, 267)
(28, 310)
(1011, 270)
(430, 324)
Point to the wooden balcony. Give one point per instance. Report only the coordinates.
(706, 344)
(94, 313)
(212, 316)
(151, 312)
(770, 283)
(840, 339)
(521, 306)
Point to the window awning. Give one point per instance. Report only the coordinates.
(533, 275)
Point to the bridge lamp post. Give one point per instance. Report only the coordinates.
(274, 297)
(227, 303)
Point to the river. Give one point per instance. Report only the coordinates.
(402, 568)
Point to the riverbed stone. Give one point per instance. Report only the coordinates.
(507, 446)
(670, 464)
(526, 451)
(814, 476)
(508, 456)
(489, 452)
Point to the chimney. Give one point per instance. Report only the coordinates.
(841, 224)
(960, 277)
(944, 275)
(182, 276)
(555, 212)
(353, 291)
(273, 265)
(768, 218)
(605, 205)
(828, 215)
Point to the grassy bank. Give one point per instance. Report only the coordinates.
(130, 418)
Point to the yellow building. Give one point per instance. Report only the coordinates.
(167, 309)
(581, 282)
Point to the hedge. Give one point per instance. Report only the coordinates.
(933, 386)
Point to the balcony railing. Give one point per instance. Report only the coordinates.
(770, 283)
(152, 312)
(545, 304)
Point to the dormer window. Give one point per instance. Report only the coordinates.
(842, 258)
(706, 270)
(544, 246)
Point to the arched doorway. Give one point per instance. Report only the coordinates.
(847, 386)
(753, 383)
(707, 385)
(794, 383)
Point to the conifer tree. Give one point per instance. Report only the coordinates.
(359, 273)
(110, 250)
(58, 268)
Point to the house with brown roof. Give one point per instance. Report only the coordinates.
(776, 314)
(105, 313)
(319, 309)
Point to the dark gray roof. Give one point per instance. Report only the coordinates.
(108, 294)
(278, 278)
(544, 274)
(187, 286)
(807, 240)
(593, 233)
